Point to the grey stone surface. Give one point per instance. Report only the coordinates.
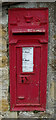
(4, 69)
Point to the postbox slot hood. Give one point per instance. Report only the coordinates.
(36, 30)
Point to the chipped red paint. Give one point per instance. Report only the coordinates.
(28, 28)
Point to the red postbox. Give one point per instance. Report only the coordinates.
(28, 48)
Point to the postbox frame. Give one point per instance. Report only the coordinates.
(43, 79)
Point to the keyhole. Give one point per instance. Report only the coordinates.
(22, 80)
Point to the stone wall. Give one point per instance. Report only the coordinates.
(4, 64)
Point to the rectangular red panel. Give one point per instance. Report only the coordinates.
(28, 47)
(28, 83)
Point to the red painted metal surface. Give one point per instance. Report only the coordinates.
(28, 30)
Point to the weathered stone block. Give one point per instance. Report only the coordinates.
(12, 114)
(3, 61)
(5, 105)
(3, 33)
(4, 72)
(0, 105)
(0, 61)
(55, 90)
(0, 74)
(0, 30)
(52, 89)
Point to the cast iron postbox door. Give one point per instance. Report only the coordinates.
(28, 71)
(28, 43)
